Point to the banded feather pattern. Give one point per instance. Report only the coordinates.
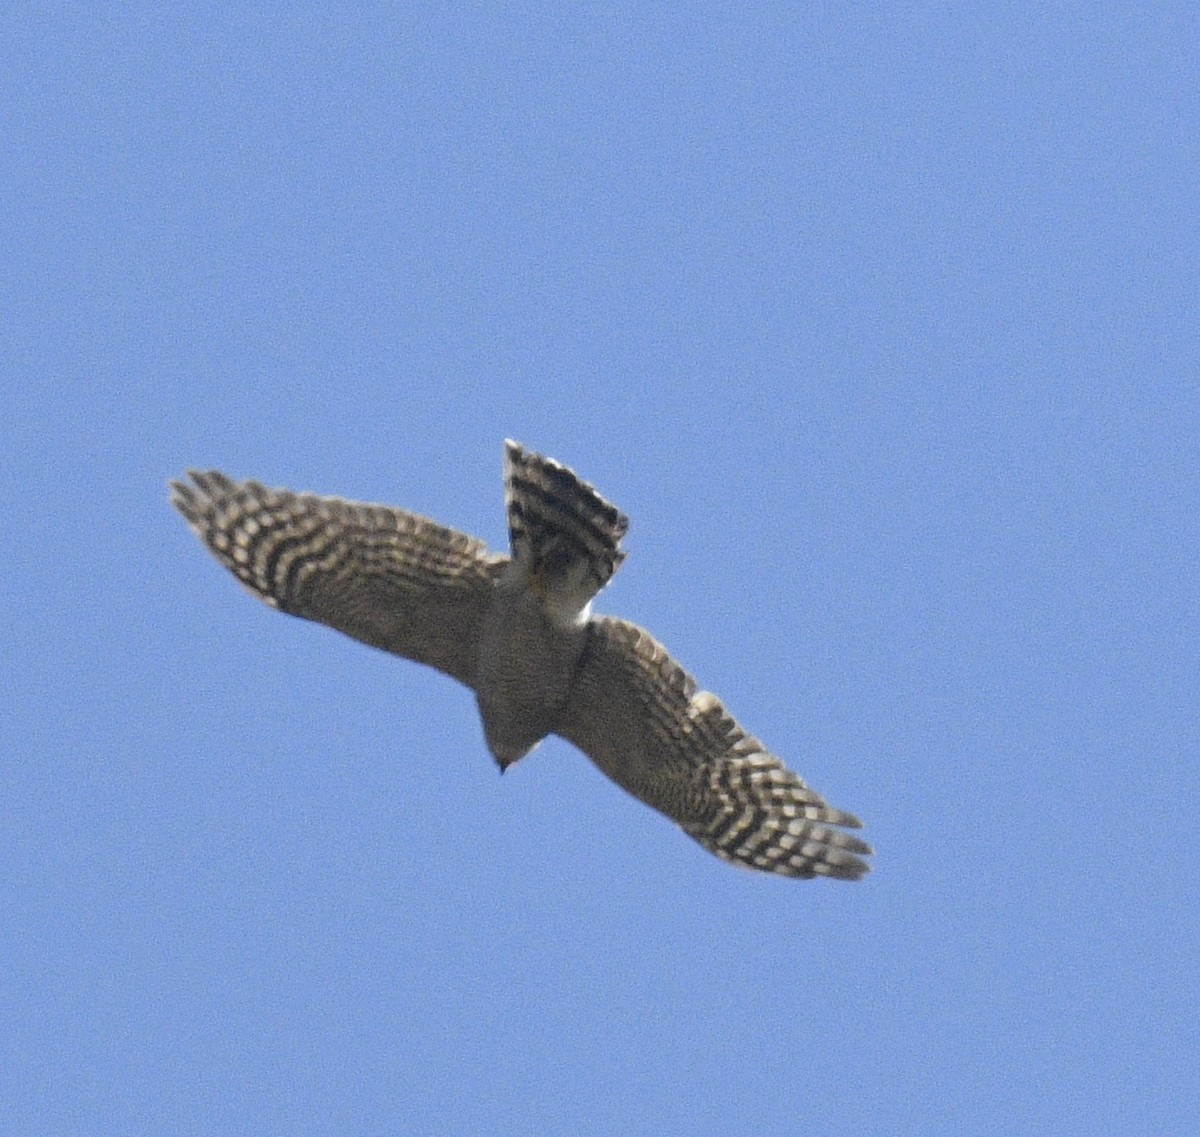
(557, 521)
(640, 718)
(390, 578)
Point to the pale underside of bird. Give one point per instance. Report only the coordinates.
(519, 631)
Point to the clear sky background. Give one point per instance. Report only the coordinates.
(880, 322)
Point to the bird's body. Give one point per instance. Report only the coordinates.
(527, 660)
(565, 540)
(519, 631)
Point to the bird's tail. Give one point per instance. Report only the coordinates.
(562, 531)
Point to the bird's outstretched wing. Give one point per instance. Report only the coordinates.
(637, 714)
(390, 578)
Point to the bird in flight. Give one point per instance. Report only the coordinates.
(519, 631)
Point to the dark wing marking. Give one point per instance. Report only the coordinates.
(390, 578)
(636, 713)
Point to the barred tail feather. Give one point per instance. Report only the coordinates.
(563, 532)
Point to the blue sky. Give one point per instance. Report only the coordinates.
(879, 321)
